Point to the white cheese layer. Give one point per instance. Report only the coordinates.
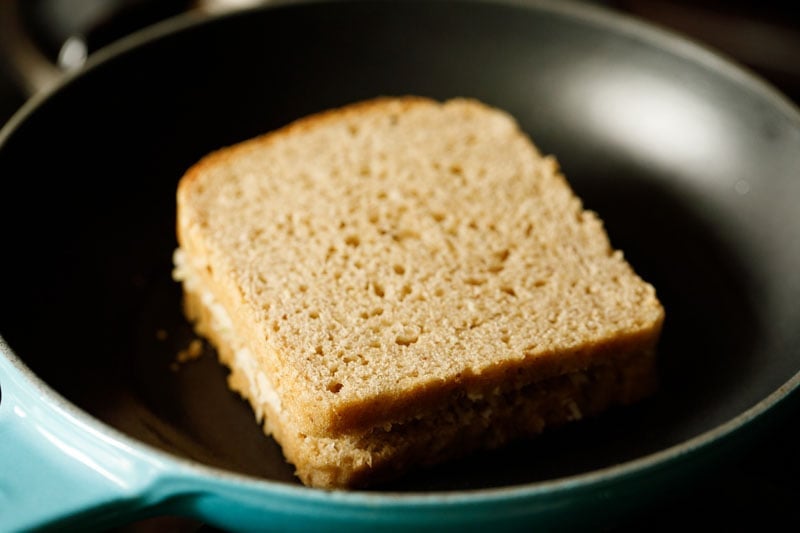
(262, 390)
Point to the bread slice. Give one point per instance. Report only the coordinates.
(402, 281)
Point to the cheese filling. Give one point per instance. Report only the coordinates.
(243, 361)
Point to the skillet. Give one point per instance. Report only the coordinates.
(693, 164)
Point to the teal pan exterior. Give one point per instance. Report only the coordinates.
(64, 470)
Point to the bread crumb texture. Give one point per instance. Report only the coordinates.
(383, 258)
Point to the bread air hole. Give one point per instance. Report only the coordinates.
(377, 288)
(404, 292)
(330, 253)
(406, 340)
(405, 234)
(334, 387)
(408, 336)
(378, 311)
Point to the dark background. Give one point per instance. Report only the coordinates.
(760, 490)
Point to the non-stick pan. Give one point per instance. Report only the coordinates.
(693, 164)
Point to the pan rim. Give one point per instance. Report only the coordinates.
(619, 23)
(623, 24)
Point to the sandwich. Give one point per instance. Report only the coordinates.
(401, 282)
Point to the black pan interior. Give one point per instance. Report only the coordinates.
(692, 165)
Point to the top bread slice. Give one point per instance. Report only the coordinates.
(382, 257)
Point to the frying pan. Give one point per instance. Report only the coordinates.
(693, 164)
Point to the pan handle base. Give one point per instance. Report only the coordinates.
(58, 468)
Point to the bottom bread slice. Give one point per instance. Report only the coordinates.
(463, 424)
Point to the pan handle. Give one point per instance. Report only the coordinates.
(93, 25)
(57, 467)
